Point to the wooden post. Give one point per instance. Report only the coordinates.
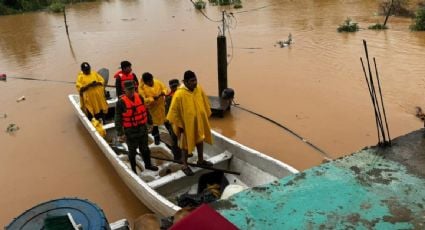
(222, 60)
(221, 64)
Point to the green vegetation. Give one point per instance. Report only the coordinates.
(236, 3)
(57, 7)
(378, 26)
(19, 6)
(348, 26)
(199, 4)
(419, 24)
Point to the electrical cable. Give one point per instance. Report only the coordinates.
(202, 12)
(323, 153)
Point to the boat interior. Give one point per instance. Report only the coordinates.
(170, 181)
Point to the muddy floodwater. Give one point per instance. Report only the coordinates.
(314, 87)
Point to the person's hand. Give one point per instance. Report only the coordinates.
(121, 138)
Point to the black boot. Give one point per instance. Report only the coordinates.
(151, 167)
(146, 156)
(155, 134)
(177, 152)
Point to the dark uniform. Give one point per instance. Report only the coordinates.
(173, 83)
(131, 119)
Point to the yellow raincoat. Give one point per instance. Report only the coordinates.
(156, 107)
(190, 111)
(93, 98)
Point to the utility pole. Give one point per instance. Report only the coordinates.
(221, 103)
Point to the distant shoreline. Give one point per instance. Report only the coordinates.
(19, 7)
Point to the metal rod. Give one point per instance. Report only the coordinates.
(375, 99)
(371, 97)
(382, 102)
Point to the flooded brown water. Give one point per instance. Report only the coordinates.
(315, 87)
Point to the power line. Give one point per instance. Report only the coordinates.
(202, 12)
(255, 9)
(323, 153)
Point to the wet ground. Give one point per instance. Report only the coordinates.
(315, 87)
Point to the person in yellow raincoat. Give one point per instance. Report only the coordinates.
(188, 113)
(90, 85)
(153, 92)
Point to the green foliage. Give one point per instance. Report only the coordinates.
(378, 26)
(57, 7)
(17, 6)
(225, 2)
(6, 10)
(419, 24)
(199, 4)
(348, 26)
(237, 4)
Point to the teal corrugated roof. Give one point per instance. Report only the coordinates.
(375, 188)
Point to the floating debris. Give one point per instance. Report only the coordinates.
(11, 128)
(3, 77)
(3, 116)
(419, 113)
(21, 99)
(284, 43)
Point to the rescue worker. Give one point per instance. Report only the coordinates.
(131, 119)
(153, 92)
(189, 112)
(173, 84)
(123, 75)
(90, 86)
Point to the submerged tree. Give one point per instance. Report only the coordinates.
(397, 8)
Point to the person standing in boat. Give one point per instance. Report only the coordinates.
(173, 84)
(125, 74)
(189, 112)
(131, 119)
(153, 92)
(90, 86)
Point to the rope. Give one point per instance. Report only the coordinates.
(323, 153)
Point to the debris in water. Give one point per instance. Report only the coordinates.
(419, 113)
(3, 77)
(11, 128)
(21, 99)
(3, 116)
(284, 43)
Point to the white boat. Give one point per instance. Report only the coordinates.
(158, 190)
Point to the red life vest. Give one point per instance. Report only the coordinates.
(136, 113)
(171, 94)
(125, 77)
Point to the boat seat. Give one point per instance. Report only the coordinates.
(222, 157)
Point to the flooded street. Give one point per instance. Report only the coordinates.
(315, 87)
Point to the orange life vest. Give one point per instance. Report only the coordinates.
(125, 77)
(136, 113)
